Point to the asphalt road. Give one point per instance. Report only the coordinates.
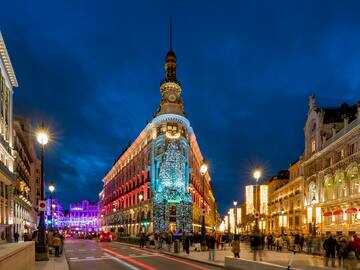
(91, 254)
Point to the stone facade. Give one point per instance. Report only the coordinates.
(286, 209)
(331, 168)
(7, 177)
(25, 172)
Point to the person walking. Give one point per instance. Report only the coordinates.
(16, 236)
(343, 250)
(301, 242)
(186, 243)
(211, 247)
(355, 246)
(330, 245)
(56, 241)
(235, 247)
(142, 240)
(255, 244)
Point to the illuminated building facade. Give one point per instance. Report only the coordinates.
(54, 208)
(286, 201)
(83, 217)
(7, 178)
(331, 168)
(24, 198)
(155, 184)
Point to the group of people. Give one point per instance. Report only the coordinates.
(340, 247)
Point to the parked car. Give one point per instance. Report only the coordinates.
(106, 236)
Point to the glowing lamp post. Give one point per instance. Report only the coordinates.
(51, 189)
(235, 216)
(256, 175)
(41, 247)
(203, 171)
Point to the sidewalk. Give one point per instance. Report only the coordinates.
(300, 261)
(54, 263)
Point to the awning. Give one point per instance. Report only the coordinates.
(327, 214)
(351, 211)
(338, 212)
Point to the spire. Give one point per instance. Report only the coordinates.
(170, 64)
(170, 37)
(170, 89)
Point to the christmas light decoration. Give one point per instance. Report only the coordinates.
(172, 191)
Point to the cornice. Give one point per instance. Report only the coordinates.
(7, 63)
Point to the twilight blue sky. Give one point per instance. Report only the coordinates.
(91, 69)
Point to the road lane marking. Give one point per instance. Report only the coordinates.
(173, 259)
(85, 259)
(90, 257)
(118, 255)
(121, 262)
(74, 258)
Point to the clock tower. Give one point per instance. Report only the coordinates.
(170, 88)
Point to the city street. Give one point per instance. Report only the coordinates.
(91, 254)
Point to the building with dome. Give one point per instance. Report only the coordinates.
(155, 185)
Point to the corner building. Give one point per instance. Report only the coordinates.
(331, 168)
(155, 185)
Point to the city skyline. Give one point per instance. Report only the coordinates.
(103, 91)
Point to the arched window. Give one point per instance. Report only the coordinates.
(328, 189)
(339, 186)
(354, 180)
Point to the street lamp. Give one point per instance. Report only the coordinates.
(51, 189)
(235, 216)
(41, 248)
(140, 199)
(203, 171)
(256, 175)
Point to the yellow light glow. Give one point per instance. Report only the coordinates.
(42, 137)
(257, 173)
(235, 203)
(249, 196)
(141, 197)
(172, 136)
(203, 168)
(51, 188)
(309, 214)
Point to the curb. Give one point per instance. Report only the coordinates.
(193, 259)
(176, 255)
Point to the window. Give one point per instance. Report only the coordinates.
(313, 146)
(351, 148)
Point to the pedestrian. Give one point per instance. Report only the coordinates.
(343, 250)
(16, 236)
(142, 240)
(279, 243)
(269, 241)
(255, 244)
(355, 246)
(330, 245)
(211, 247)
(56, 241)
(301, 242)
(186, 243)
(235, 247)
(62, 238)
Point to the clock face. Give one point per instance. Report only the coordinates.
(172, 98)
